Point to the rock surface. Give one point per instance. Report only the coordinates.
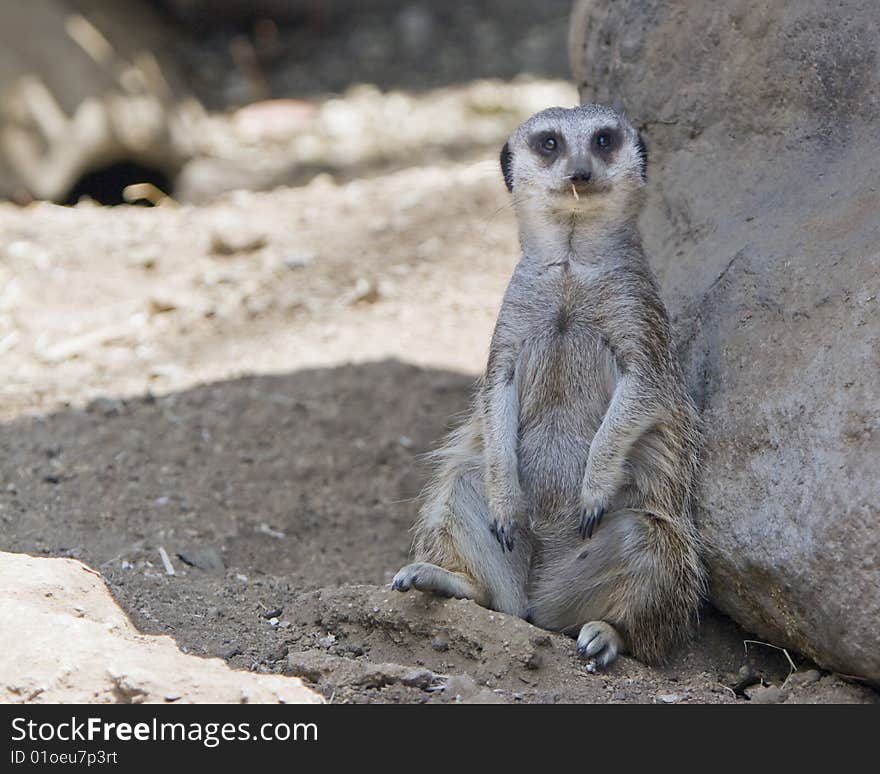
(762, 224)
(64, 639)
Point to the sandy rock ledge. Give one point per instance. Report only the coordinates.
(65, 639)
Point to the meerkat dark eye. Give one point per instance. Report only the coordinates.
(604, 140)
(547, 144)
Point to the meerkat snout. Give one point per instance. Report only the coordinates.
(581, 176)
(569, 158)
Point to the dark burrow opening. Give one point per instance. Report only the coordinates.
(106, 185)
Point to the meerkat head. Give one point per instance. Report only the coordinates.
(587, 160)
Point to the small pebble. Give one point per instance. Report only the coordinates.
(807, 677)
(279, 653)
(766, 694)
(365, 292)
(328, 641)
(460, 687)
(229, 240)
(293, 262)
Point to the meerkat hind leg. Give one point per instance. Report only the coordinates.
(457, 554)
(432, 579)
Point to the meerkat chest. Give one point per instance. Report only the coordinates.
(566, 360)
(567, 305)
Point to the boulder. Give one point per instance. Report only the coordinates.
(763, 224)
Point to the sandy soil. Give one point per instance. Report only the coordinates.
(252, 385)
(261, 415)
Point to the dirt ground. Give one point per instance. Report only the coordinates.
(252, 385)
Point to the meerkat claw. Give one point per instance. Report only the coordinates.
(590, 519)
(403, 582)
(503, 534)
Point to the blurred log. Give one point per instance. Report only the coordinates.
(85, 84)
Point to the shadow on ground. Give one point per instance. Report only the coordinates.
(274, 496)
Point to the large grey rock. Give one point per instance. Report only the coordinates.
(764, 227)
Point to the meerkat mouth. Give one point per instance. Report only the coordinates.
(579, 193)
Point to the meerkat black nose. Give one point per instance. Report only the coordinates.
(580, 176)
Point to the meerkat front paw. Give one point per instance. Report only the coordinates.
(599, 642)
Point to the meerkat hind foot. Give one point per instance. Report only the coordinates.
(434, 580)
(599, 642)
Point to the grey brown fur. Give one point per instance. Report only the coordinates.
(566, 496)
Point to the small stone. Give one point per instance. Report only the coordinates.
(327, 642)
(293, 262)
(439, 644)
(460, 687)
(145, 258)
(365, 292)
(207, 559)
(807, 677)
(162, 305)
(766, 694)
(279, 653)
(667, 698)
(231, 239)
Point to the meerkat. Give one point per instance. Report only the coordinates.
(566, 496)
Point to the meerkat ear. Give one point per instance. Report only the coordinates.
(643, 152)
(506, 160)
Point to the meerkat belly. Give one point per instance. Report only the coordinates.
(566, 379)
